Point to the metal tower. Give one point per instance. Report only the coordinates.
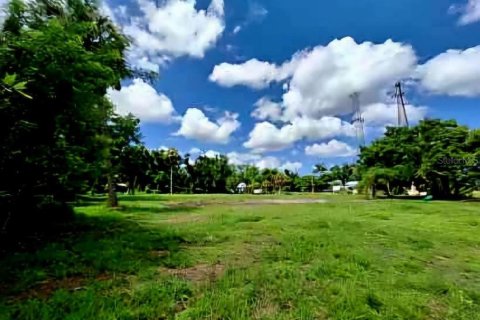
(357, 120)
(402, 113)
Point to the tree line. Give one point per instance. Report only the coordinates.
(167, 171)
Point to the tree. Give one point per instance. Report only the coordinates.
(122, 133)
(212, 173)
(439, 155)
(66, 55)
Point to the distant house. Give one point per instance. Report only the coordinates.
(257, 191)
(242, 187)
(350, 186)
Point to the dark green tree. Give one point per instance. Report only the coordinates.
(66, 55)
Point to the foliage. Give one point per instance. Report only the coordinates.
(438, 156)
(59, 57)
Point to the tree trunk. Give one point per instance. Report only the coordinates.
(374, 191)
(313, 186)
(112, 193)
(134, 184)
(171, 180)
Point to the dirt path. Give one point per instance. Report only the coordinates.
(247, 202)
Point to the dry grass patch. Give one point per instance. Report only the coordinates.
(199, 273)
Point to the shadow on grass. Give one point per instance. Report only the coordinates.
(147, 197)
(87, 200)
(91, 247)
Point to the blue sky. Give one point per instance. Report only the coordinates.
(267, 82)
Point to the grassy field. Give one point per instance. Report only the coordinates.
(230, 257)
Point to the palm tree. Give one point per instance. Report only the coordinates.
(279, 180)
(320, 169)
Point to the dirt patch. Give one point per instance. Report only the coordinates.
(436, 310)
(198, 273)
(284, 201)
(159, 253)
(46, 288)
(265, 308)
(187, 219)
(247, 202)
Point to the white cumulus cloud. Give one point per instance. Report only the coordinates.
(267, 137)
(237, 159)
(194, 151)
(252, 73)
(326, 76)
(321, 80)
(143, 101)
(268, 163)
(195, 125)
(332, 149)
(172, 29)
(382, 115)
(291, 166)
(454, 72)
(265, 109)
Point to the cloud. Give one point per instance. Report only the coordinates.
(291, 166)
(195, 125)
(469, 13)
(320, 80)
(256, 13)
(332, 149)
(173, 29)
(143, 101)
(212, 154)
(268, 163)
(326, 76)
(267, 110)
(454, 73)
(3, 13)
(317, 86)
(267, 137)
(237, 159)
(194, 151)
(252, 73)
(382, 115)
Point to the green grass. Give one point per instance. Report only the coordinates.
(225, 257)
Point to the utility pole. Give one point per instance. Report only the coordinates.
(401, 111)
(357, 120)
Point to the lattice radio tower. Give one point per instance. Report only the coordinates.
(402, 113)
(357, 120)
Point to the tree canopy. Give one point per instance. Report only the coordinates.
(63, 55)
(441, 157)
